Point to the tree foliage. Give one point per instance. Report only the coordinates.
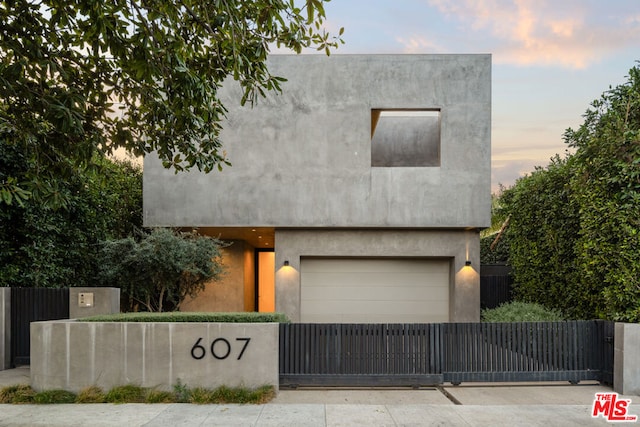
(607, 187)
(160, 269)
(494, 254)
(84, 76)
(575, 228)
(45, 247)
(494, 243)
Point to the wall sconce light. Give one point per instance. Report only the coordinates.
(286, 263)
(467, 263)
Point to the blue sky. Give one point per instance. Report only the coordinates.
(551, 59)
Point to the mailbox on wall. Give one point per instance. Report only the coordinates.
(85, 299)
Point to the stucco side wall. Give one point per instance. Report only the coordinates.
(456, 245)
(234, 291)
(303, 158)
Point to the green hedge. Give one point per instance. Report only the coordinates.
(248, 317)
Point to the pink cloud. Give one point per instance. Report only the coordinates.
(419, 44)
(541, 32)
(633, 19)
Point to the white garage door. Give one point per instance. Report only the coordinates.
(374, 290)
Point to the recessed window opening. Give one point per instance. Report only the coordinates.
(405, 137)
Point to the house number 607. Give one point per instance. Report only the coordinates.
(220, 348)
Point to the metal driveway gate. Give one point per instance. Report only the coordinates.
(31, 305)
(428, 354)
(359, 354)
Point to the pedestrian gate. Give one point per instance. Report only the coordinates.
(31, 305)
(429, 354)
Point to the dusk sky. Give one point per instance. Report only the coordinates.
(551, 59)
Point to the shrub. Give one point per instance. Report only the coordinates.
(224, 394)
(202, 396)
(17, 394)
(181, 392)
(261, 395)
(159, 396)
(160, 269)
(91, 394)
(126, 394)
(54, 396)
(521, 312)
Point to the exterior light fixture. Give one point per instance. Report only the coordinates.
(286, 263)
(467, 263)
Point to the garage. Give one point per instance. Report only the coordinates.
(374, 290)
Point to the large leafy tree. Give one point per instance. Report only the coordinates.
(607, 188)
(45, 247)
(80, 76)
(575, 225)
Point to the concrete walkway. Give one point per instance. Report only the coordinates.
(531, 404)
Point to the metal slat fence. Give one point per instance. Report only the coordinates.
(426, 354)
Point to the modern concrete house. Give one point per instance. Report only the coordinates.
(356, 195)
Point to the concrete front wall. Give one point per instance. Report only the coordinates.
(235, 291)
(5, 328)
(458, 246)
(303, 158)
(105, 301)
(74, 355)
(626, 359)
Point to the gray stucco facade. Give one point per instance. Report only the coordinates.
(303, 167)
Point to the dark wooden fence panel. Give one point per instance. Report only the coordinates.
(495, 290)
(496, 285)
(426, 354)
(31, 305)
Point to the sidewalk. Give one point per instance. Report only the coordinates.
(530, 404)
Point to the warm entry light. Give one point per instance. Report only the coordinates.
(286, 263)
(467, 263)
